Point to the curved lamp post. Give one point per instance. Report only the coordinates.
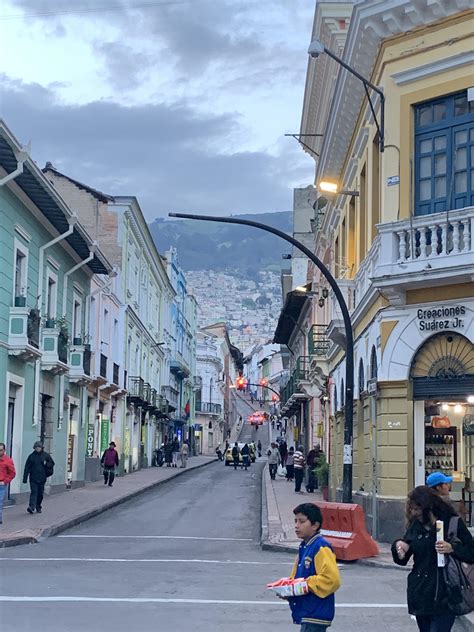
(349, 381)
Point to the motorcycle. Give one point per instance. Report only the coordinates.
(158, 458)
(220, 456)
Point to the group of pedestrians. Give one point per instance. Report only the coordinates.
(295, 463)
(243, 452)
(176, 452)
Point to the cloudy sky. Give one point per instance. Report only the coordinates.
(183, 103)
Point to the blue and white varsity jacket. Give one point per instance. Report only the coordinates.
(316, 562)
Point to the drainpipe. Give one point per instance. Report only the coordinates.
(72, 220)
(21, 157)
(67, 274)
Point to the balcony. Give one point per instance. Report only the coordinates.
(207, 408)
(80, 364)
(301, 372)
(318, 342)
(135, 390)
(172, 395)
(147, 394)
(428, 249)
(179, 366)
(24, 333)
(54, 343)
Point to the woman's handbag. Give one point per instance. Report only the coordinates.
(459, 577)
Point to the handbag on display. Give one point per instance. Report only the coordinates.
(441, 422)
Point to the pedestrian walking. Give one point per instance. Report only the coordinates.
(184, 454)
(109, 461)
(273, 424)
(311, 462)
(283, 448)
(259, 447)
(175, 452)
(168, 453)
(440, 484)
(299, 463)
(427, 594)
(245, 456)
(316, 565)
(235, 454)
(290, 464)
(39, 467)
(7, 474)
(273, 460)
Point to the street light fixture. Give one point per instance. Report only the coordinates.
(333, 187)
(317, 48)
(349, 381)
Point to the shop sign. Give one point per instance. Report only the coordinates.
(90, 440)
(104, 434)
(441, 318)
(70, 452)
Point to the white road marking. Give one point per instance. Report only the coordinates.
(44, 599)
(159, 537)
(137, 560)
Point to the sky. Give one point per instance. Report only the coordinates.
(183, 103)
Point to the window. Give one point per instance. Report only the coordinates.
(363, 215)
(373, 364)
(20, 274)
(361, 377)
(375, 186)
(444, 154)
(51, 298)
(77, 318)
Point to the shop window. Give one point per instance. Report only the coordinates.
(444, 154)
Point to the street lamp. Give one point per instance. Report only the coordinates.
(349, 381)
(333, 187)
(317, 48)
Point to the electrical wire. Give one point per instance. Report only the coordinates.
(105, 9)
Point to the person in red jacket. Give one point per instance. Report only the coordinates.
(110, 461)
(7, 474)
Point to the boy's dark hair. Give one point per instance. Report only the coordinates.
(311, 511)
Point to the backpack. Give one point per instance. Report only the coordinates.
(48, 466)
(459, 577)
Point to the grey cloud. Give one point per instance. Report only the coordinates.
(125, 68)
(165, 155)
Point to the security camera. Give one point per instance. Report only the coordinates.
(315, 49)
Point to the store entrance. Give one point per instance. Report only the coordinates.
(442, 376)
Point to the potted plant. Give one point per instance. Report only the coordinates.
(322, 474)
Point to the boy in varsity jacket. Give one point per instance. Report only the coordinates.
(316, 563)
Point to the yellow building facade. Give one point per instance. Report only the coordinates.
(400, 242)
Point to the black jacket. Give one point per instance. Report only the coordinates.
(426, 589)
(35, 467)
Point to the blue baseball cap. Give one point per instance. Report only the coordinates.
(437, 478)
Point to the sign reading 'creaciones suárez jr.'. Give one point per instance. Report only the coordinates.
(441, 318)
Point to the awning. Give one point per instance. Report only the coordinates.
(289, 316)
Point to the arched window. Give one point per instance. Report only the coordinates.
(210, 425)
(373, 364)
(343, 394)
(361, 377)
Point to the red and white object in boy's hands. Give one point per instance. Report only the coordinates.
(288, 587)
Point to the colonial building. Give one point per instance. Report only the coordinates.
(397, 234)
(209, 427)
(128, 320)
(48, 263)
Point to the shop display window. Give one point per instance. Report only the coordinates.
(449, 443)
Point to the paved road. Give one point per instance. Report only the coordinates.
(182, 557)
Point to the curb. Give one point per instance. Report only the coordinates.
(72, 522)
(263, 510)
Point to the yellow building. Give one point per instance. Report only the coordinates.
(400, 242)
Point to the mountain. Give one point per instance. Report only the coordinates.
(216, 246)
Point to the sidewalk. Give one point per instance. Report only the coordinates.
(69, 508)
(277, 515)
